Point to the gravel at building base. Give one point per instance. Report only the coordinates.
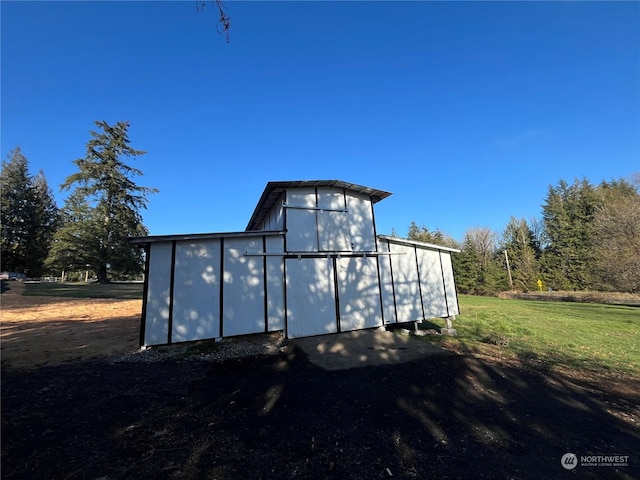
(225, 349)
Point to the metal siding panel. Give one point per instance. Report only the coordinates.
(333, 227)
(360, 213)
(449, 284)
(433, 294)
(405, 282)
(331, 199)
(301, 224)
(302, 197)
(301, 231)
(278, 217)
(158, 294)
(386, 280)
(275, 285)
(243, 277)
(311, 305)
(196, 299)
(359, 293)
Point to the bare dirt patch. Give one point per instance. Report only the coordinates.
(41, 331)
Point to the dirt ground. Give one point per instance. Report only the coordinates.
(73, 410)
(40, 331)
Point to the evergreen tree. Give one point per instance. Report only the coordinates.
(28, 216)
(46, 222)
(467, 268)
(77, 239)
(568, 213)
(520, 243)
(424, 235)
(477, 267)
(104, 208)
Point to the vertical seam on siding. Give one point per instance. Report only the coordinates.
(393, 283)
(284, 220)
(265, 287)
(145, 293)
(415, 249)
(444, 283)
(336, 293)
(284, 283)
(221, 286)
(377, 257)
(171, 287)
(315, 213)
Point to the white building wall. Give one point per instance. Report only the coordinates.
(406, 283)
(431, 283)
(450, 284)
(359, 293)
(243, 302)
(311, 303)
(275, 284)
(158, 301)
(360, 223)
(275, 219)
(332, 221)
(196, 291)
(328, 220)
(300, 219)
(237, 285)
(386, 283)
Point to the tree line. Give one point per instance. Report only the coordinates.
(587, 239)
(90, 232)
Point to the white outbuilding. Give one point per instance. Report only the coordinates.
(309, 263)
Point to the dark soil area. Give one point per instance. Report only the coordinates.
(280, 417)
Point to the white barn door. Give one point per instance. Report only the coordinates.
(311, 303)
(359, 293)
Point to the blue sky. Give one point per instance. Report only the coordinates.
(466, 111)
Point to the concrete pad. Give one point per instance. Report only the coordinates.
(363, 348)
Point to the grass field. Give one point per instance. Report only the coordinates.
(584, 336)
(122, 291)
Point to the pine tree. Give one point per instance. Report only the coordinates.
(568, 214)
(520, 244)
(477, 267)
(46, 222)
(467, 267)
(424, 235)
(104, 208)
(77, 239)
(28, 216)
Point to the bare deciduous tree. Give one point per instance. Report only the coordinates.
(484, 241)
(224, 21)
(616, 243)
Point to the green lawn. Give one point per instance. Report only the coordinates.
(121, 291)
(583, 336)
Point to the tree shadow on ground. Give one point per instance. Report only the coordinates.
(282, 417)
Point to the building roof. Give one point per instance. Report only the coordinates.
(273, 191)
(415, 243)
(195, 237)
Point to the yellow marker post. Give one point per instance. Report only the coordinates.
(540, 284)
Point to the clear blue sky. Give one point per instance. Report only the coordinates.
(467, 112)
